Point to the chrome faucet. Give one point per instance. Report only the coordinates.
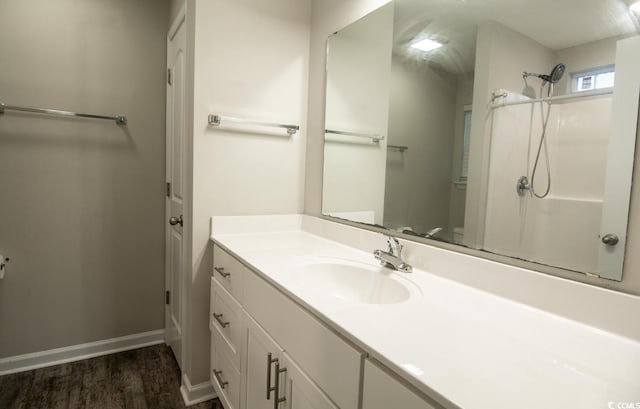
(392, 258)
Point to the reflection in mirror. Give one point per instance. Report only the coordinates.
(499, 125)
(358, 72)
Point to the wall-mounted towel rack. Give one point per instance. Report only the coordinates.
(375, 138)
(400, 148)
(216, 120)
(120, 119)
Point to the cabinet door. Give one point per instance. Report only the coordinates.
(382, 391)
(300, 391)
(332, 363)
(262, 359)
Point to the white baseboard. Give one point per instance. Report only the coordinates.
(26, 362)
(193, 394)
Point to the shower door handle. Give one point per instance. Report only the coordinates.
(610, 239)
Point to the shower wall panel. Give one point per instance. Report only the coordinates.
(561, 229)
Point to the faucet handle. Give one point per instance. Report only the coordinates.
(395, 248)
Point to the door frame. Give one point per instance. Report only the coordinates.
(178, 22)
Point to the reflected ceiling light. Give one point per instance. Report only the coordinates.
(635, 7)
(426, 45)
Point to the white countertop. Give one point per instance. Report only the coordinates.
(473, 348)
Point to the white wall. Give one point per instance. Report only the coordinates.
(358, 74)
(251, 60)
(82, 201)
(501, 56)
(561, 229)
(500, 44)
(584, 57)
(327, 17)
(422, 117)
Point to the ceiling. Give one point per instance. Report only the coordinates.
(556, 24)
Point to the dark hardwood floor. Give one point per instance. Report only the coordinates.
(142, 378)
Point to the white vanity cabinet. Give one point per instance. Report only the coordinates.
(226, 322)
(383, 391)
(225, 377)
(269, 352)
(300, 391)
(264, 368)
(229, 272)
(273, 380)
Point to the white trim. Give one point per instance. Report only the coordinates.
(194, 394)
(27, 362)
(177, 22)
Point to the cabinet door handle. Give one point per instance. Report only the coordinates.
(222, 383)
(277, 399)
(218, 318)
(221, 271)
(270, 360)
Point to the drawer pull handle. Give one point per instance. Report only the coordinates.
(221, 271)
(218, 318)
(278, 400)
(270, 388)
(216, 374)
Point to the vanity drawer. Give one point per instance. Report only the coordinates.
(225, 378)
(325, 357)
(229, 271)
(225, 319)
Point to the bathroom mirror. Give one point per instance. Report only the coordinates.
(500, 125)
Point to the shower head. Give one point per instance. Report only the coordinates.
(556, 74)
(553, 77)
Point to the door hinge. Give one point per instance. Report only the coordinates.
(169, 76)
(167, 297)
(168, 189)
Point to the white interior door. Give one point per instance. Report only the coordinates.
(615, 209)
(175, 168)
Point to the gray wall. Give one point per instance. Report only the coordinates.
(421, 116)
(82, 206)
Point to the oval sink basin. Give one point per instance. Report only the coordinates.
(353, 281)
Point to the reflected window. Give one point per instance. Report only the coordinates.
(596, 78)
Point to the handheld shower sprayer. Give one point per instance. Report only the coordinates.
(528, 184)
